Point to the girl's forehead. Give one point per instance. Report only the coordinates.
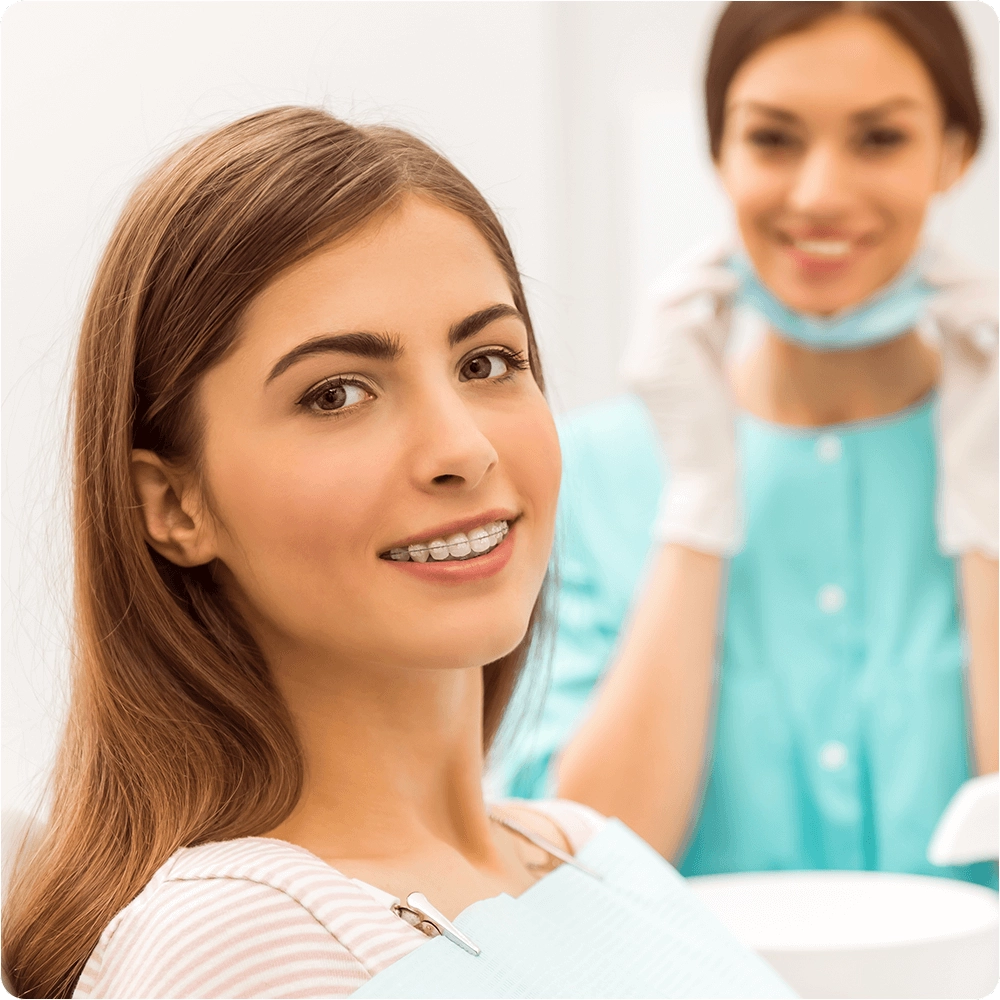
(421, 268)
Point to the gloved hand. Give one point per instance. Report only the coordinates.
(675, 364)
(965, 315)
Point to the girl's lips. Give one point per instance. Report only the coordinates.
(465, 571)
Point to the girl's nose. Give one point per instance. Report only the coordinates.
(450, 451)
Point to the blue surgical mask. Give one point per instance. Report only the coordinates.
(888, 313)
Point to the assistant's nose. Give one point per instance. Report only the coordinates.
(822, 186)
(449, 449)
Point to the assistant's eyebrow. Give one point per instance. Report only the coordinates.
(862, 117)
(473, 323)
(893, 104)
(380, 346)
(781, 114)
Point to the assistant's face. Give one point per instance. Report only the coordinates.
(833, 147)
(382, 466)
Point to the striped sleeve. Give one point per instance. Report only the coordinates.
(220, 937)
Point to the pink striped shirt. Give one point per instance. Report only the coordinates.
(256, 917)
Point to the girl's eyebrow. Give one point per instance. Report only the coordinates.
(473, 323)
(380, 346)
(384, 346)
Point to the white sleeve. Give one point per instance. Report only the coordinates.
(219, 937)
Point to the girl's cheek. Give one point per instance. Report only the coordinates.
(542, 456)
(295, 503)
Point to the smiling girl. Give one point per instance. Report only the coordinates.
(315, 485)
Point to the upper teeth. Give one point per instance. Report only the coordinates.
(825, 248)
(457, 546)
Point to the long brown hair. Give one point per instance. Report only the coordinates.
(176, 732)
(929, 27)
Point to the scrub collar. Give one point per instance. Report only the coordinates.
(888, 313)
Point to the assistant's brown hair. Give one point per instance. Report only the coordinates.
(177, 734)
(929, 27)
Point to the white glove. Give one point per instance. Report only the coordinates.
(965, 315)
(675, 364)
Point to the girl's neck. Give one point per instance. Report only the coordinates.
(785, 383)
(393, 761)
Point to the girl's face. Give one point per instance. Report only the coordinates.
(378, 401)
(834, 144)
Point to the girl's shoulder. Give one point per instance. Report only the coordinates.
(570, 825)
(258, 917)
(250, 917)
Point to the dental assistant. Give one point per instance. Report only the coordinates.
(777, 641)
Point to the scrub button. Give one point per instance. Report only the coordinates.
(831, 598)
(832, 755)
(829, 448)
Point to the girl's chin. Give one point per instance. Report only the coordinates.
(451, 656)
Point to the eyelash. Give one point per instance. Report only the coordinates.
(515, 360)
(883, 138)
(312, 395)
(771, 139)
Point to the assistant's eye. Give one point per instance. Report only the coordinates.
(772, 139)
(334, 395)
(878, 139)
(493, 365)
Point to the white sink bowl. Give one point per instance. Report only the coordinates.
(863, 934)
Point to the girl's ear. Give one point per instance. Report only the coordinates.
(956, 155)
(178, 525)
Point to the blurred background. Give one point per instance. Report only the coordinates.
(581, 122)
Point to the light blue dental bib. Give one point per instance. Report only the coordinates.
(638, 931)
(888, 313)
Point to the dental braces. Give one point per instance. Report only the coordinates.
(457, 547)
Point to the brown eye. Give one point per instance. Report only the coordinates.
(333, 398)
(336, 396)
(483, 367)
(771, 139)
(883, 138)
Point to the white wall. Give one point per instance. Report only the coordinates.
(580, 121)
(93, 93)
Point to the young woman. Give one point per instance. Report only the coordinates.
(857, 505)
(316, 480)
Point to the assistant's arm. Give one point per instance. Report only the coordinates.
(965, 312)
(980, 601)
(640, 754)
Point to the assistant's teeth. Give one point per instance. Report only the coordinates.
(457, 546)
(823, 248)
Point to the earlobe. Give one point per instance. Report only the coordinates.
(175, 520)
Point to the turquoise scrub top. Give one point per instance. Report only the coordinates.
(841, 732)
